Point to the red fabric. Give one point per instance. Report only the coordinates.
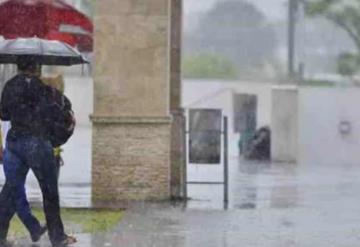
(64, 37)
(43, 18)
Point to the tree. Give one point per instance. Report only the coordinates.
(346, 15)
(208, 66)
(236, 30)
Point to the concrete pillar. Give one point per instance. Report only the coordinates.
(177, 127)
(131, 120)
(284, 123)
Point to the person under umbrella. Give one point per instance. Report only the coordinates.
(29, 144)
(27, 147)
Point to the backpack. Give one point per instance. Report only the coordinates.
(57, 117)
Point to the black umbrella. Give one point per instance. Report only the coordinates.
(45, 52)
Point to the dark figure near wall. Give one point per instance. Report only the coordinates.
(260, 145)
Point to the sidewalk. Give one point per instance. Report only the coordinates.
(167, 226)
(270, 206)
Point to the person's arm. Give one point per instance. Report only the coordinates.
(4, 104)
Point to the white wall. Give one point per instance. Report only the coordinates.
(284, 124)
(320, 112)
(79, 89)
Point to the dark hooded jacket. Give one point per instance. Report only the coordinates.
(20, 104)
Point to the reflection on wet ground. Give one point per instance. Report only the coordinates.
(255, 185)
(252, 185)
(264, 185)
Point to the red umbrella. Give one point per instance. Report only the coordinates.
(47, 19)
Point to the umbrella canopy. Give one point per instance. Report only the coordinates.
(45, 52)
(48, 19)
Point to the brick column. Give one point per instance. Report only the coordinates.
(177, 127)
(131, 120)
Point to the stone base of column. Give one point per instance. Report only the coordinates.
(131, 159)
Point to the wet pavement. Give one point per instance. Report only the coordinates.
(270, 205)
(280, 205)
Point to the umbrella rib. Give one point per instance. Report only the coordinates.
(79, 55)
(69, 48)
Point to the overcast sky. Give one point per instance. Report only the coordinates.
(274, 9)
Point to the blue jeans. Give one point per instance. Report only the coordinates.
(15, 173)
(21, 154)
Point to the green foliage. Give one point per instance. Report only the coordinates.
(75, 221)
(343, 13)
(208, 66)
(319, 7)
(318, 83)
(348, 64)
(346, 15)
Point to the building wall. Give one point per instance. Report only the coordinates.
(308, 125)
(284, 124)
(320, 113)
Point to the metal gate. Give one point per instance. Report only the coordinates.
(203, 144)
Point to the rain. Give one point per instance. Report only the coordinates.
(190, 122)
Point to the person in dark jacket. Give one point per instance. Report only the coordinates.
(260, 145)
(28, 147)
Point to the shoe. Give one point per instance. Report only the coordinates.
(6, 243)
(68, 240)
(36, 237)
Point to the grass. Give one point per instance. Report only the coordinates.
(318, 83)
(75, 221)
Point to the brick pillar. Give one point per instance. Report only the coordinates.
(177, 128)
(131, 120)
